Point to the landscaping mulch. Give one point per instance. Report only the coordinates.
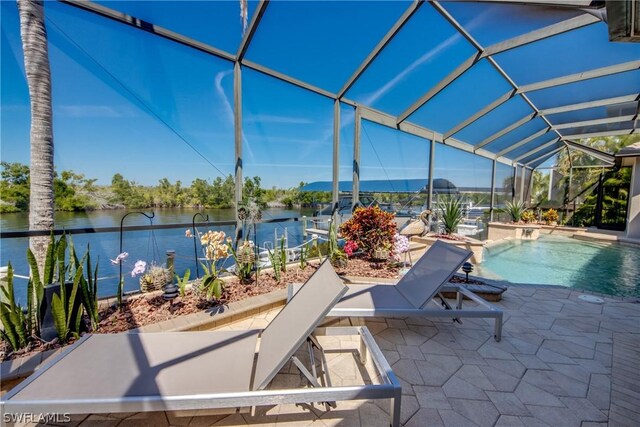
(455, 237)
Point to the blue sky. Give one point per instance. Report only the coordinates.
(126, 101)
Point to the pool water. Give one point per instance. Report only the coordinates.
(610, 269)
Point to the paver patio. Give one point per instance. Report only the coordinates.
(553, 367)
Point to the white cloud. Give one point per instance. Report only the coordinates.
(410, 69)
(104, 111)
(268, 118)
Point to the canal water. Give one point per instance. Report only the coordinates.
(149, 246)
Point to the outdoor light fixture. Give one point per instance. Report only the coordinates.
(467, 267)
(170, 289)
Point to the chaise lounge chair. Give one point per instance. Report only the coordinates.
(186, 371)
(419, 287)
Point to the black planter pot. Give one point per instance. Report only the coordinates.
(48, 329)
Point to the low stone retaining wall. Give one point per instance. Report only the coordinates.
(499, 231)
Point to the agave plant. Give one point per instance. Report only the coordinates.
(514, 210)
(451, 213)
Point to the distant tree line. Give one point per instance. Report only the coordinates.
(75, 192)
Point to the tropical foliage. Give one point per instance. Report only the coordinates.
(75, 296)
(528, 217)
(371, 228)
(550, 216)
(15, 329)
(451, 213)
(514, 210)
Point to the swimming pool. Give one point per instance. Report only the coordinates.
(610, 269)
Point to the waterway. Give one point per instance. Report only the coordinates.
(149, 246)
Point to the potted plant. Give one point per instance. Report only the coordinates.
(156, 277)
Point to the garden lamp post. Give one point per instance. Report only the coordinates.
(170, 289)
(467, 267)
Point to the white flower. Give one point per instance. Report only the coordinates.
(119, 258)
(138, 268)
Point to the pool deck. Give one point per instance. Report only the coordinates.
(562, 361)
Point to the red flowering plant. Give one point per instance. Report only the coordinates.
(350, 248)
(370, 229)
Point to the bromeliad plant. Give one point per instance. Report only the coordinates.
(371, 228)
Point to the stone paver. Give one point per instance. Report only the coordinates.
(562, 361)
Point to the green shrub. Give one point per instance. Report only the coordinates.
(514, 210)
(371, 228)
(528, 216)
(451, 211)
(550, 216)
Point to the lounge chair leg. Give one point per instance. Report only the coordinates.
(497, 333)
(314, 381)
(394, 415)
(363, 351)
(447, 306)
(459, 298)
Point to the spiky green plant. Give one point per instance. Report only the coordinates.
(304, 257)
(15, 329)
(275, 259)
(182, 281)
(514, 210)
(88, 285)
(68, 305)
(283, 256)
(35, 288)
(451, 212)
(337, 257)
(67, 316)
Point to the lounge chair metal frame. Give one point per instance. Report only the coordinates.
(445, 311)
(414, 287)
(390, 388)
(320, 391)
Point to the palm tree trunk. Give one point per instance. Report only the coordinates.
(36, 64)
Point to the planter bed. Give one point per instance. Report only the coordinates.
(474, 245)
(520, 231)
